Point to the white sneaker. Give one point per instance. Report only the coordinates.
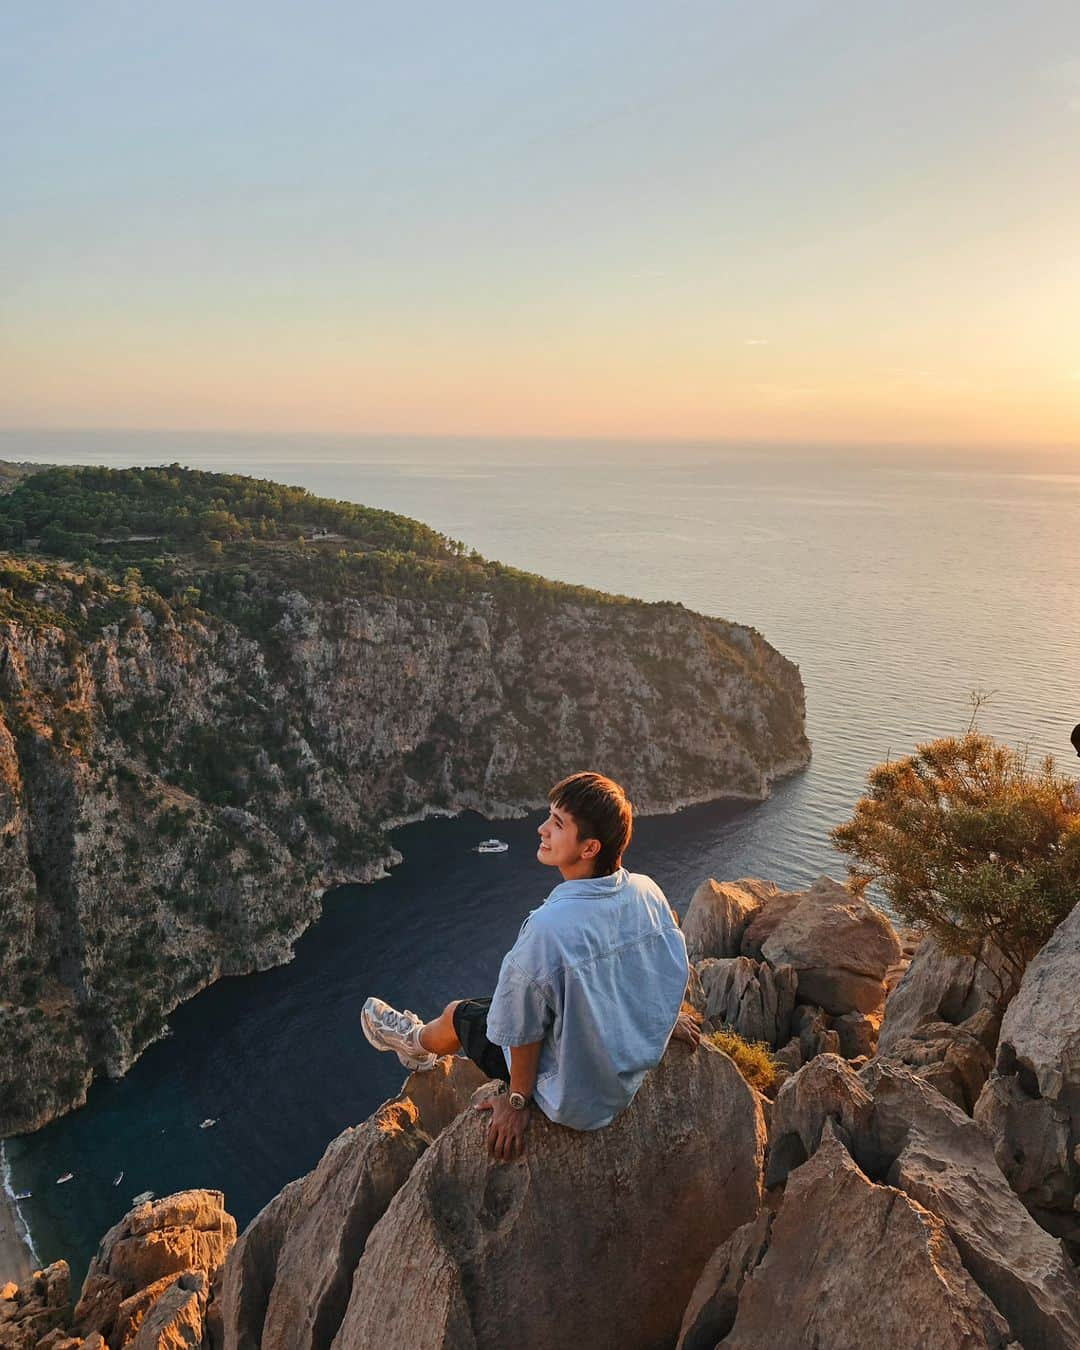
(388, 1029)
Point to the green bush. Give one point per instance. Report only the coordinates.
(753, 1059)
(971, 844)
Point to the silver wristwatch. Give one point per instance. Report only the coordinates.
(518, 1102)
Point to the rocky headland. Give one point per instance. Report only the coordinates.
(910, 1178)
(217, 694)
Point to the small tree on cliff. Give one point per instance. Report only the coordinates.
(969, 843)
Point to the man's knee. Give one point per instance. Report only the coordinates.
(448, 1011)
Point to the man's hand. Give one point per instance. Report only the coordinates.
(686, 1029)
(506, 1133)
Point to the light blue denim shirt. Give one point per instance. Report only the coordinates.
(598, 973)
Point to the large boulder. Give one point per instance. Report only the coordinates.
(840, 946)
(151, 1247)
(815, 1277)
(544, 1252)
(937, 987)
(764, 923)
(286, 1285)
(1030, 1107)
(719, 913)
(750, 997)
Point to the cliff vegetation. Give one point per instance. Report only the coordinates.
(217, 693)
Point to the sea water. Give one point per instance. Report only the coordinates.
(898, 583)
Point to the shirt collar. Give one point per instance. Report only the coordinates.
(584, 886)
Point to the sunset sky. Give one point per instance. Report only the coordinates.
(845, 221)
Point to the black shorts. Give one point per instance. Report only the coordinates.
(470, 1023)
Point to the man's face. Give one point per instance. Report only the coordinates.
(560, 845)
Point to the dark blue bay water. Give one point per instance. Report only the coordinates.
(898, 584)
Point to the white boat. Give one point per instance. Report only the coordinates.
(492, 846)
(142, 1197)
(66, 1177)
(24, 1195)
(118, 1179)
(205, 1125)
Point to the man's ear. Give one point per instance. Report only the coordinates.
(591, 848)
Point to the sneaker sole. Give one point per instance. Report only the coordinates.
(374, 1037)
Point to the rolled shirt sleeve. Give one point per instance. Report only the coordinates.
(520, 1011)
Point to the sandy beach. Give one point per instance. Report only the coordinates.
(16, 1262)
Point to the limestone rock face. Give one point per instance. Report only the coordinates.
(818, 1278)
(287, 1282)
(719, 913)
(470, 1247)
(937, 987)
(150, 1248)
(750, 997)
(128, 885)
(1031, 1106)
(840, 946)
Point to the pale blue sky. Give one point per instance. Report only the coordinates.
(679, 218)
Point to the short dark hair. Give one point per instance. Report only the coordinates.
(602, 811)
(1075, 738)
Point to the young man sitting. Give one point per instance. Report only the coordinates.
(588, 996)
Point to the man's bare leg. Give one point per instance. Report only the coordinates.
(439, 1036)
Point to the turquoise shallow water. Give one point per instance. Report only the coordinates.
(897, 585)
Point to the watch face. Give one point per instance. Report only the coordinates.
(517, 1101)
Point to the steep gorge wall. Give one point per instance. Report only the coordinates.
(175, 794)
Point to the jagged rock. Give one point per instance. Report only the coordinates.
(815, 1036)
(470, 1248)
(857, 1034)
(840, 946)
(286, 1284)
(957, 1060)
(790, 1056)
(175, 1322)
(719, 913)
(827, 1088)
(36, 1308)
(711, 1310)
(937, 987)
(941, 1158)
(60, 1340)
(1030, 1108)
(751, 997)
(152, 1245)
(817, 1278)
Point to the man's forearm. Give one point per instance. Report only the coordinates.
(524, 1060)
